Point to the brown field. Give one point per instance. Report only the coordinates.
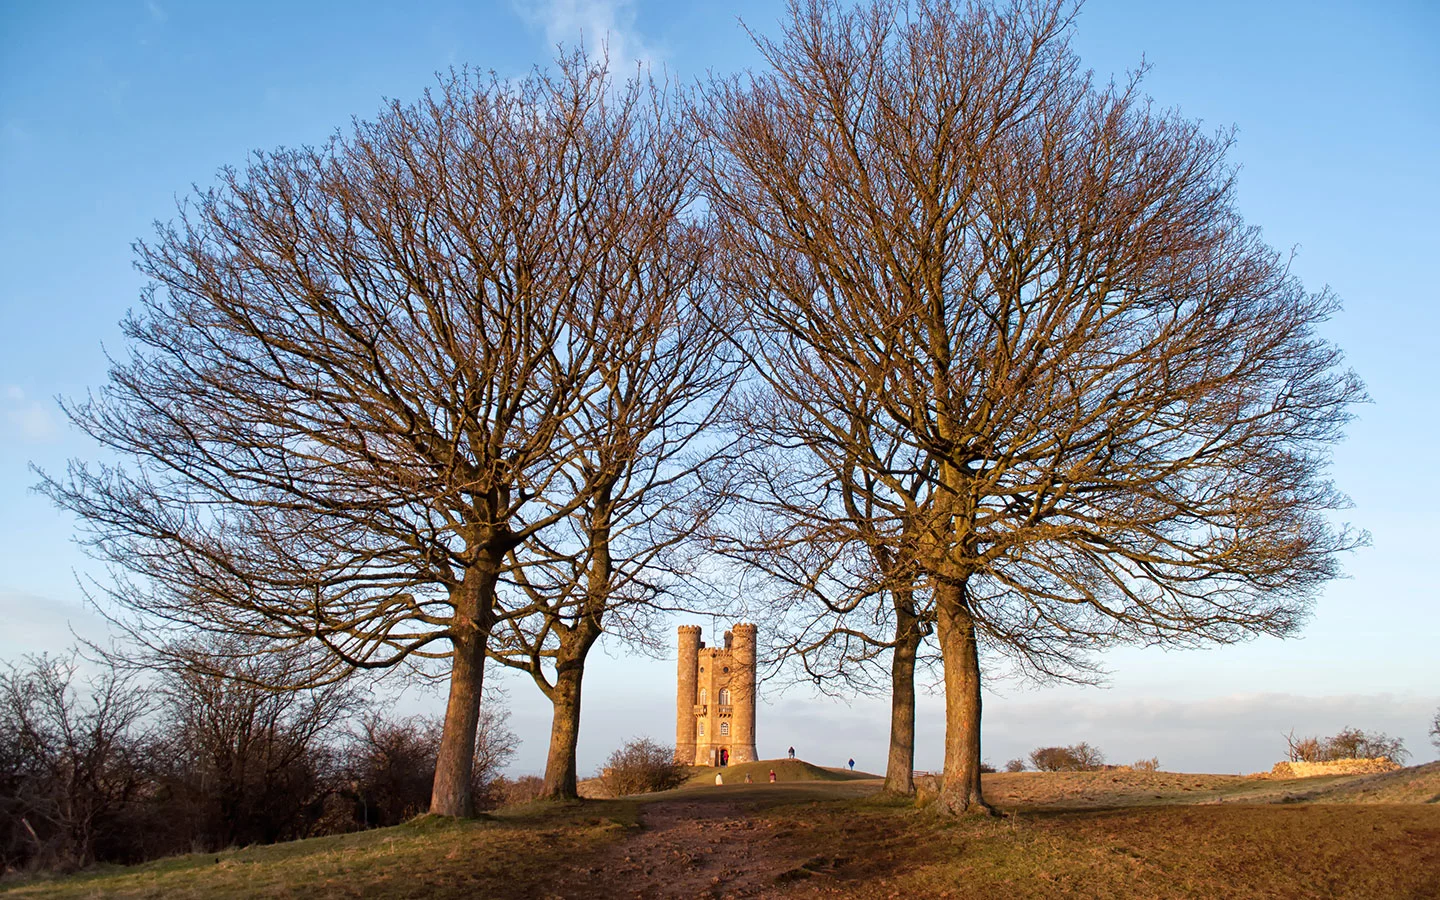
(1090, 834)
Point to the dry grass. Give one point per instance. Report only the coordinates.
(1192, 851)
(1091, 834)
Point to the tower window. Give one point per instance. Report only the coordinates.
(702, 696)
(724, 727)
(702, 729)
(724, 697)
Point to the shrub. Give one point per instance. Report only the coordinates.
(1435, 730)
(1348, 743)
(1015, 765)
(641, 766)
(514, 791)
(986, 769)
(1146, 765)
(75, 766)
(1080, 757)
(390, 763)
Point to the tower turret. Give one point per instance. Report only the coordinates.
(743, 690)
(685, 694)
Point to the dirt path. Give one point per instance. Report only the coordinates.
(702, 844)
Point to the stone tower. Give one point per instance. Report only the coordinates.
(715, 698)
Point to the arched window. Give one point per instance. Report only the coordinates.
(702, 695)
(702, 729)
(724, 727)
(724, 697)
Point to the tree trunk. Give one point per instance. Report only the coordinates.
(450, 795)
(575, 644)
(960, 785)
(560, 767)
(900, 768)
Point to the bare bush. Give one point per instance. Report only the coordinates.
(1146, 765)
(1079, 757)
(514, 791)
(1015, 765)
(1348, 743)
(1435, 729)
(641, 766)
(1352, 743)
(74, 767)
(1088, 756)
(245, 762)
(1303, 749)
(390, 764)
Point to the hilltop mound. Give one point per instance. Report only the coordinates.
(1416, 784)
(786, 770)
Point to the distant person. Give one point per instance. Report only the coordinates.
(792, 752)
(852, 763)
(747, 778)
(772, 776)
(719, 779)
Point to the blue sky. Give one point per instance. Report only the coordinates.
(110, 111)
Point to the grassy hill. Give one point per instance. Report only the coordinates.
(786, 770)
(825, 832)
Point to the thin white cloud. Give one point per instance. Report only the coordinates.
(27, 420)
(595, 23)
(157, 12)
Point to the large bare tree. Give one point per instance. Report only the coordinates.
(350, 390)
(1047, 285)
(827, 519)
(642, 442)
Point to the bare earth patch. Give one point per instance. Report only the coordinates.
(712, 842)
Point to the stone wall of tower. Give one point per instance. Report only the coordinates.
(705, 727)
(743, 689)
(685, 694)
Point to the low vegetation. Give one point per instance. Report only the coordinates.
(114, 770)
(1349, 743)
(639, 767)
(1079, 757)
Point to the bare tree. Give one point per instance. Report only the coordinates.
(348, 388)
(639, 439)
(1047, 287)
(832, 539)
